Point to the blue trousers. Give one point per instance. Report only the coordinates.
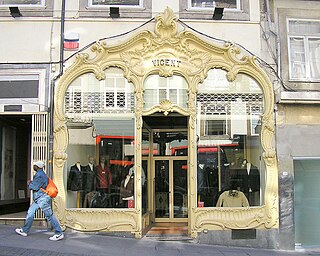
(44, 202)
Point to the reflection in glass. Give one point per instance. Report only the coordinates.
(100, 170)
(115, 2)
(144, 182)
(162, 188)
(173, 143)
(229, 164)
(306, 201)
(214, 3)
(158, 89)
(180, 187)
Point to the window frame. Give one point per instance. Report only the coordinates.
(116, 91)
(144, 10)
(238, 8)
(39, 74)
(219, 117)
(306, 37)
(29, 10)
(241, 13)
(255, 120)
(43, 4)
(90, 5)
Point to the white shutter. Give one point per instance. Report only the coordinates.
(39, 145)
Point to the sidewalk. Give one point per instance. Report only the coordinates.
(78, 243)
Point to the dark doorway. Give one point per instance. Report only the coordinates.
(15, 141)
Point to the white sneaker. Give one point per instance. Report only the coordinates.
(20, 232)
(56, 237)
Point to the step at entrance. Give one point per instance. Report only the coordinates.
(168, 231)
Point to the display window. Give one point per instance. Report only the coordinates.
(230, 170)
(100, 170)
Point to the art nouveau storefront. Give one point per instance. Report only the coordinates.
(195, 119)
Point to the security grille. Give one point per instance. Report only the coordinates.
(218, 103)
(98, 102)
(39, 144)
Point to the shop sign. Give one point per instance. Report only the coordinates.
(166, 62)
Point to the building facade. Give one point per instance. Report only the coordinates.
(151, 114)
(297, 121)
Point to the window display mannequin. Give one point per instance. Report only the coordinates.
(249, 182)
(89, 179)
(127, 187)
(74, 182)
(232, 198)
(104, 180)
(207, 182)
(143, 175)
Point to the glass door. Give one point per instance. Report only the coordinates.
(170, 186)
(307, 202)
(162, 188)
(180, 188)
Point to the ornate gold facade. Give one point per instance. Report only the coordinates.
(167, 51)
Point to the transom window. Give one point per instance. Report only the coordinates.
(158, 89)
(229, 4)
(121, 3)
(304, 50)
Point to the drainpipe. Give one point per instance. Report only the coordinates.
(53, 81)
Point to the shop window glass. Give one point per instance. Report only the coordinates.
(158, 89)
(100, 170)
(306, 201)
(229, 167)
(145, 166)
(170, 143)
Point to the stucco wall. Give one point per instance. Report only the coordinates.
(297, 131)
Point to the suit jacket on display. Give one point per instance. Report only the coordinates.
(104, 177)
(89, 178)
(74, 182)
(248, 182)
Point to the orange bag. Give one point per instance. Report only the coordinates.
(51, 190)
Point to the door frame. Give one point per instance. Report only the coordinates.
(171, 188)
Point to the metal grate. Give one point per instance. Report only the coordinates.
(218, 103)
(98, 102)
(39, 144)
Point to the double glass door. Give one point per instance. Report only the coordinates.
(171, 188)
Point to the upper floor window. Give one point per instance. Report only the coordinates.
(127, 8)
(204, 9)
(26, 8)
(229, 4)
(22, 2)
(121, 3)
(304, 50)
